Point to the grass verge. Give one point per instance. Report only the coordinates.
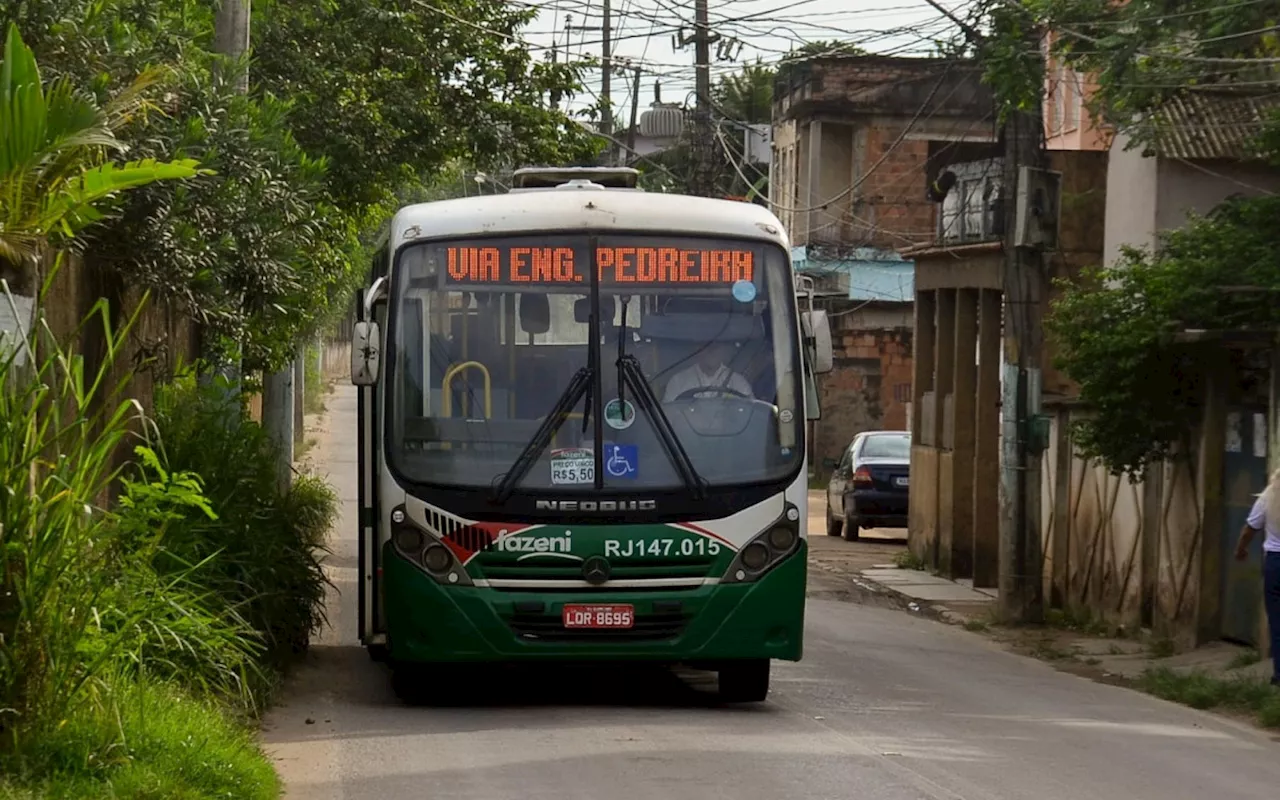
(1204, 691)
(143, 739)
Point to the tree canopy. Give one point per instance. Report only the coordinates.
(1115, 328)
(350, 101)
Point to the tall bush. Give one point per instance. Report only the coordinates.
(75, 594)
(268, 543)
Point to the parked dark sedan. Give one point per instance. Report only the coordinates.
(870, 484)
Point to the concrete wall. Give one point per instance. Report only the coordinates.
(1147, 195)
(1132, 186)
(1186, 187)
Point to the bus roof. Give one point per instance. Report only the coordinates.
(591, 207)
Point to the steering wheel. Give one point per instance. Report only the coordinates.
(723, 392)
(692, 393)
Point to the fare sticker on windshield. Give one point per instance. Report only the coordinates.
(573, 465)
(615, 266)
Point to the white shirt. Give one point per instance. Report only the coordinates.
(1258, 516)
(694, 378)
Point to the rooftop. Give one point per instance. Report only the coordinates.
(865, 273)
(1204, 126)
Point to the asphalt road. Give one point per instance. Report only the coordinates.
(884, 706)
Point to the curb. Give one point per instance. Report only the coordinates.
(871, 592)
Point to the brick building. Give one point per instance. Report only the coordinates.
(870, 295)
(857, 140)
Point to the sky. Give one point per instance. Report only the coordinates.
(643, 31)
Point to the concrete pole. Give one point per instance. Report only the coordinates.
(231, 38)
(231, 34)
(299, 395)
(320, 358)
(606, 82)
(702, 134)
(1021, 579)
(277, 420)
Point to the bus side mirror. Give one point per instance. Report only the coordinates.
(365, 354)
(817, 329)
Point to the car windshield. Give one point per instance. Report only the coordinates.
(887, 445)
(492, 336)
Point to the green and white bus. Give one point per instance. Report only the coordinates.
(582, 432)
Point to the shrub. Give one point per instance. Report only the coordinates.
(172, 626)
(268, 543)
(78, 597)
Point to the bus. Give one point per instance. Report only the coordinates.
(582, 417)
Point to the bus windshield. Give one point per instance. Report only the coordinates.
(672, 362)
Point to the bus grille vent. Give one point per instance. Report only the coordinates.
(467, 538)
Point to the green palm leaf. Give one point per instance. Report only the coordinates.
(54, 142)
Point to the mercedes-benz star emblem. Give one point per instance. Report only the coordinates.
(596, 570)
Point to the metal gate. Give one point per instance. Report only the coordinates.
(1244, 475)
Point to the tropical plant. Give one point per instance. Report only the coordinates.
(746, 96)
(53, 145)
(61, 551)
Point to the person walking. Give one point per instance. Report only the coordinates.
(1265, 516)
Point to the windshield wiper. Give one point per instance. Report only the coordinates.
(578, 387)
(630, 372)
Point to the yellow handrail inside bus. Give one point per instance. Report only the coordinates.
(446, 387)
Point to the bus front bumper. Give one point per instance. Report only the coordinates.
(427, 622)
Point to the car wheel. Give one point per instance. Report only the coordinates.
(833, 524)
(851, 529)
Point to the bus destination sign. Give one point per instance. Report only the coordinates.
(615, 266)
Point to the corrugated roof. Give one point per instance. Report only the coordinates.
(1200, 126)
(868, 274)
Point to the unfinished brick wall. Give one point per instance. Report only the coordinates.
(868, 389)
(866, 106)
(892, 196)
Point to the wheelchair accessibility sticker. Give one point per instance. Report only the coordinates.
(621, 460)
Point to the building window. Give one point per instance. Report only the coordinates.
(1071, 101)
(970, 211)
(1059, 99)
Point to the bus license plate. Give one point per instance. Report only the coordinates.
(599, 616)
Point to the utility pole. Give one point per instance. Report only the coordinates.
(1021, 561)
(555, 93)
(231, 39)
(635, 115)
(702, 178)
(231, 34)
(1021, 558)
(606, 81)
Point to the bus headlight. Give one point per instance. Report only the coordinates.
(765, 551)
(424, 550)
(407, 540)
(437, 558)
(782, 537)
(754, 556)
